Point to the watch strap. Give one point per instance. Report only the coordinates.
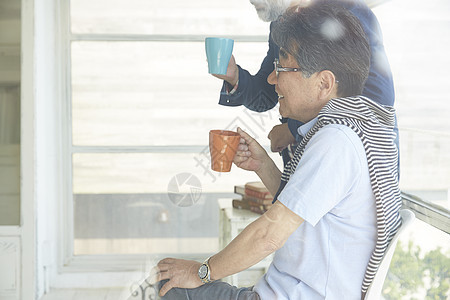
(207, 278)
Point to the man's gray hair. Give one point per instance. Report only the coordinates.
(326, 36)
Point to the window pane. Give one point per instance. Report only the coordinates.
(200, 17)
(149, 203)
(142, 173)
(9, 184)
(144, 223)
(419, 268)
(9, 155)
(10, 36)
(425, 165)
(154, 93)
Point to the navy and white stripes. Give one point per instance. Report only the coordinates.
(374, 125)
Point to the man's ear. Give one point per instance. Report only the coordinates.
(327, 85)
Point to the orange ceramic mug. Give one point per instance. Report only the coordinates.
(222, 147)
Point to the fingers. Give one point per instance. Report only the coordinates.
(240, 159)
(232, 75)
(243, 146)
(154, 275)
(162, 272)
(223, 77)
(233, 70)
(279, 137)
(165, 288)
(159, 273)
(273, 146)
(245, 136)
(242, 153)
(245, 139)
(167, 260)
(271, 133)
(271, 137)
(175, 273)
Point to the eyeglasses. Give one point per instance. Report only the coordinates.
(278, 68)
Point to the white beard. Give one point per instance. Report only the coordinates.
(270, 10)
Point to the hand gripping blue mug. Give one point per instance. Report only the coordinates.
(218, 53)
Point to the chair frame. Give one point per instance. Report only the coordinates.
(375, 288)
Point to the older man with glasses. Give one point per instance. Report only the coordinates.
(337, 207)
(253, 91)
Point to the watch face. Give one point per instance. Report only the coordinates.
(202, 271)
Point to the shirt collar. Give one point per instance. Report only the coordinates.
(303, 129)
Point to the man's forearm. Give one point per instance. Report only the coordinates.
(270, 175)
(259, 239)
(244, 251)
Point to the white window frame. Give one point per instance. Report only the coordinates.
(97, 271)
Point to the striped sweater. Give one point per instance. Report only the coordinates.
(374, 125)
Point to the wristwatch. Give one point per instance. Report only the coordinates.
(204, 272)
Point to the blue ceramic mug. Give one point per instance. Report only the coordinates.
(218, 53)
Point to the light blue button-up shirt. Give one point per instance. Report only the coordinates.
(326, 257)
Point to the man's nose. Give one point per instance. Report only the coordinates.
(272, 78)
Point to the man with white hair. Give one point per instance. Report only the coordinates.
(253, 91)
(268, 10)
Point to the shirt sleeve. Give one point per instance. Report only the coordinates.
(327, 172)
(254, 92)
